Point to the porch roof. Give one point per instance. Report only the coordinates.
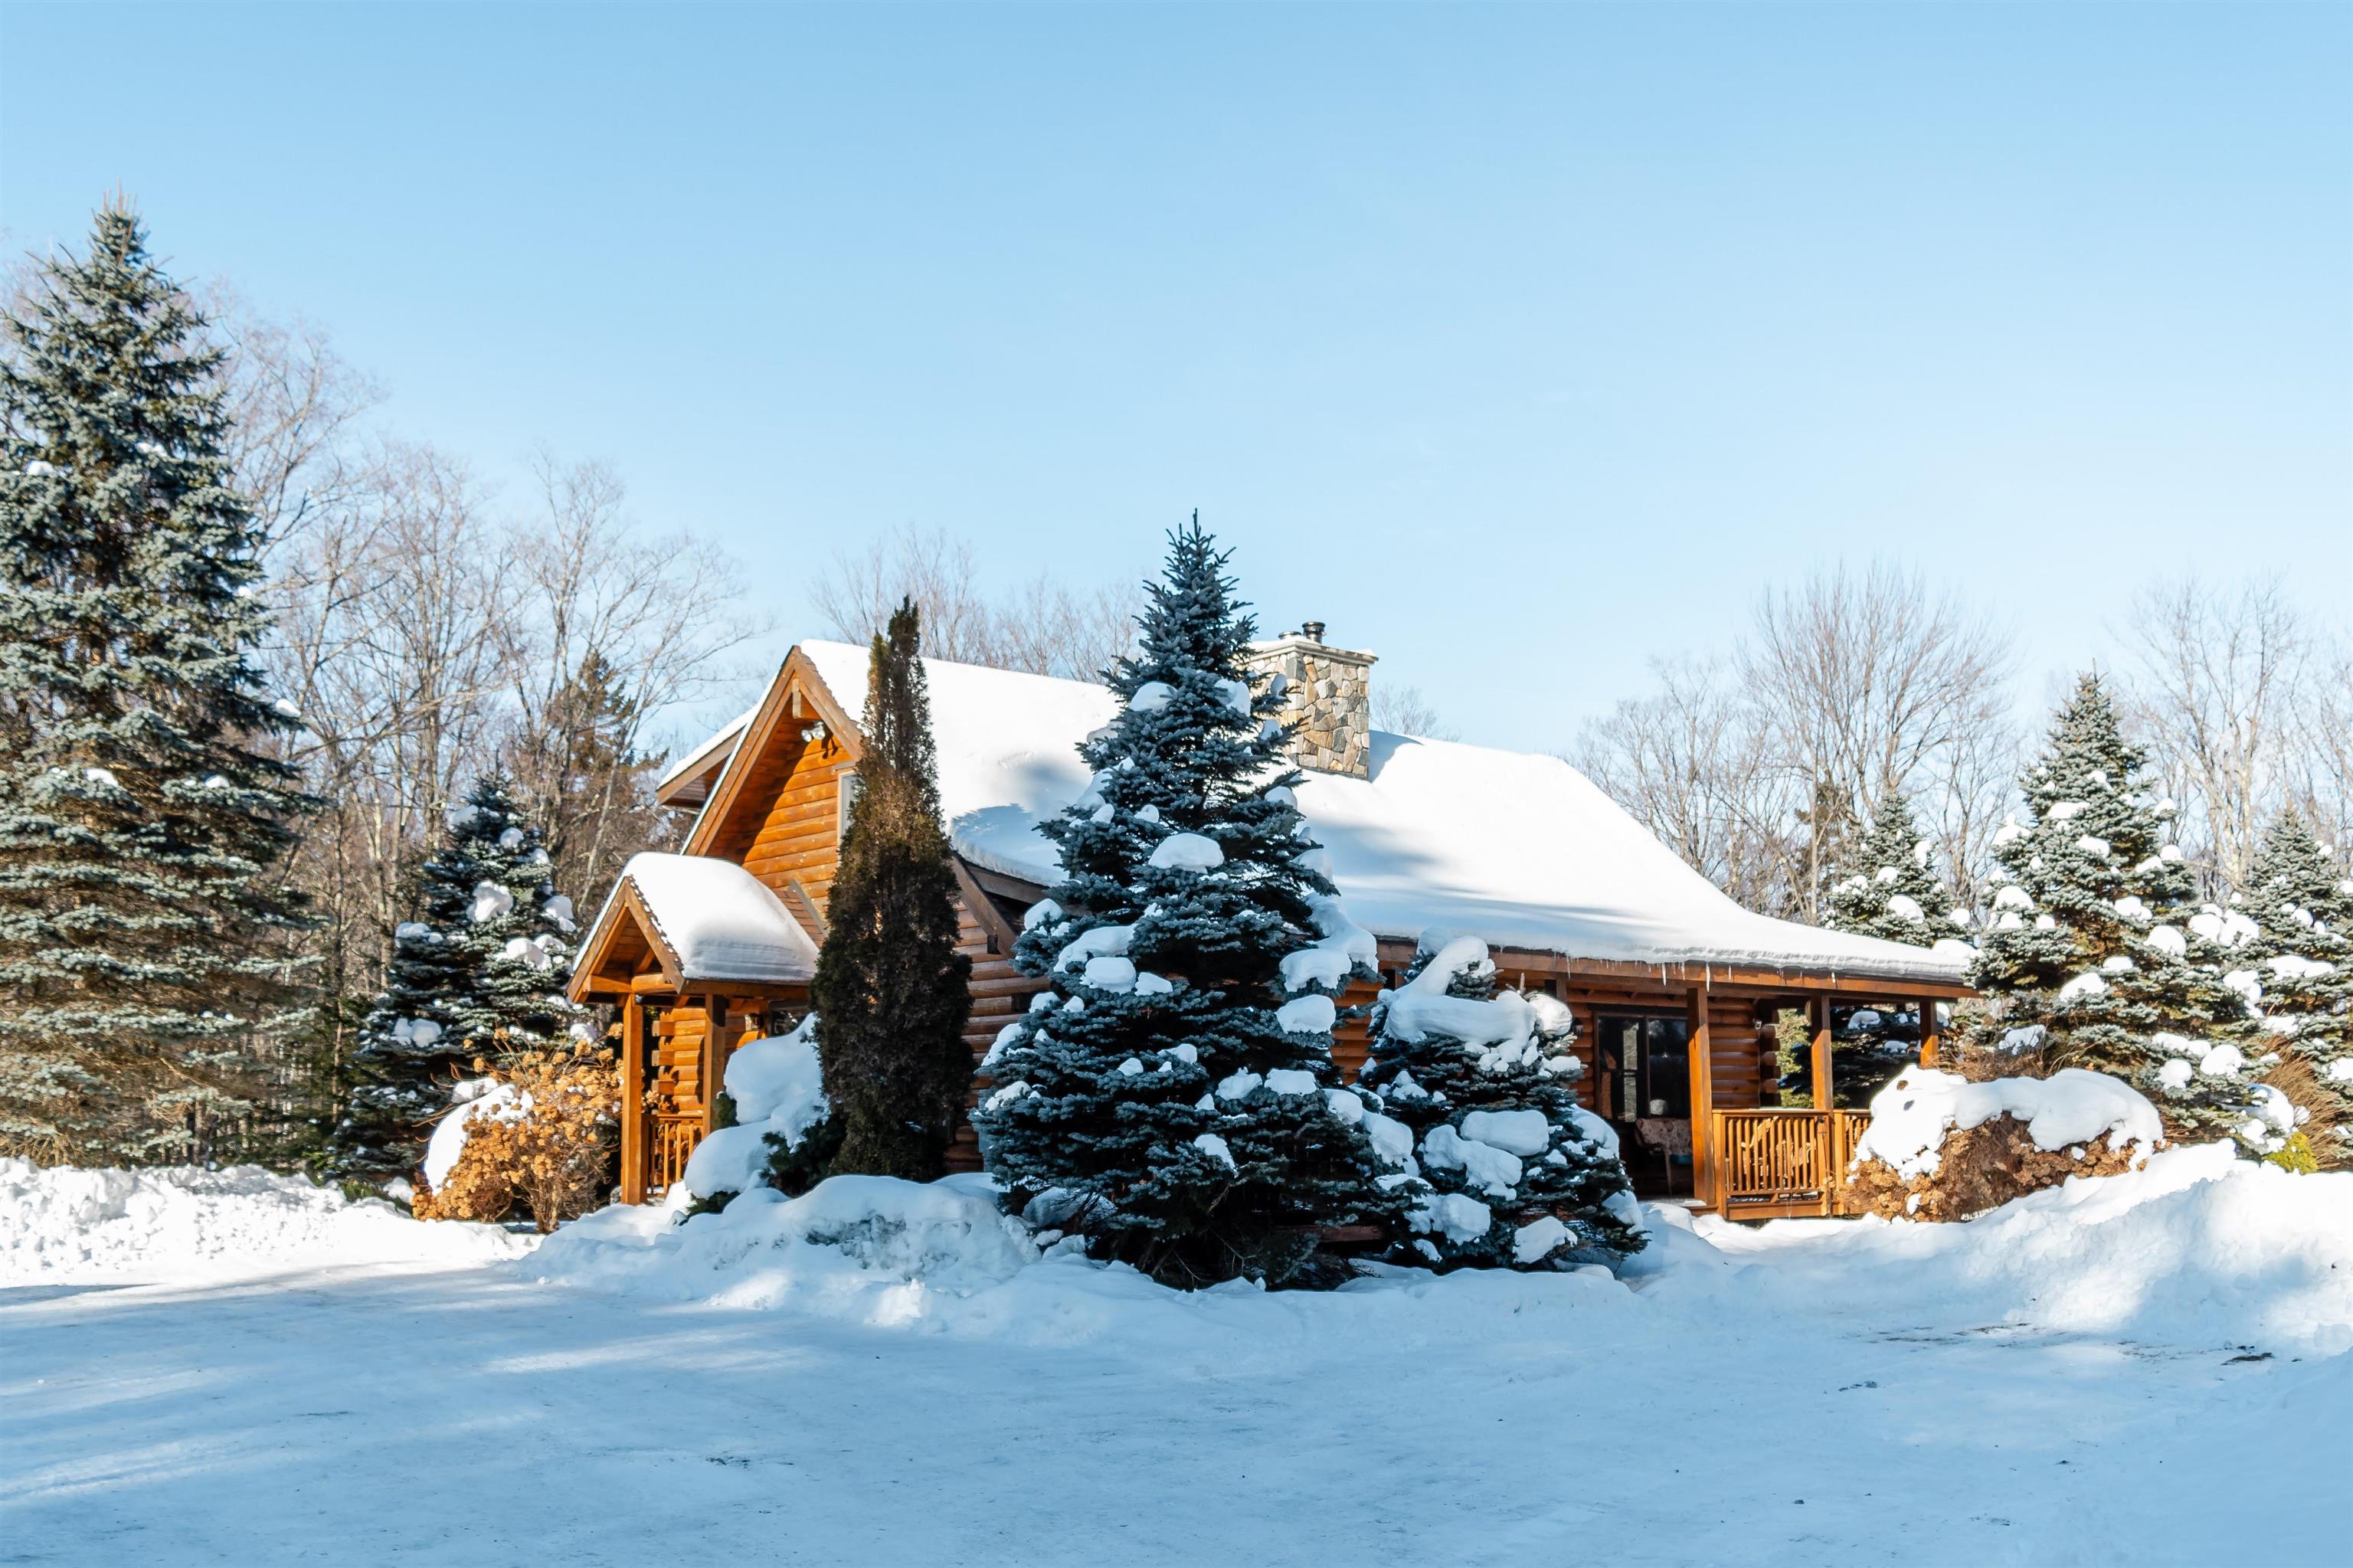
(700, 920)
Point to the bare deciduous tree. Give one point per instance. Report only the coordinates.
(2320, 766)
(1403, 710)
(295, 407)
(2230, 695)
(1044, 627)
(1690, 763)
(1865, 685)
(612, 626)
(1755, 769)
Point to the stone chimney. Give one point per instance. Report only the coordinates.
(1327, 699)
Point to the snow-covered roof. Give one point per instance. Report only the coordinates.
(716, 749)
(1520, 849)
(718, 920)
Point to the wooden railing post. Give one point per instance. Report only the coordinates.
(1932, 1036)
(633, 1102)
(1700, 1057)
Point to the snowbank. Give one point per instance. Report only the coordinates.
(941, 1259)
(66, 1226)
(868, 1247)
(2197, 1247)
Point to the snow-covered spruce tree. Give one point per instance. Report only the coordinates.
(2302, 903)
(1889, 890)
(1172, 1097)
(2091, 938)
(145, 925)
(478, 972)
(890, 985)
(1473, 1088)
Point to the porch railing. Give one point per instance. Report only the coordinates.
(1770, 1163)
(667, 1150)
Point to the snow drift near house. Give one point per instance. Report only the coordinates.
(940, 1259)
(871, 1247)
(2197, 1247)
(64, 1225)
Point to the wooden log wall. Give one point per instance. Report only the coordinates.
(678, 1057)
(784, 828)
(999, 994)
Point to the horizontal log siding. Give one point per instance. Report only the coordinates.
(786, 822)
(1732, 1036)
(678, 1058)
(999, 994)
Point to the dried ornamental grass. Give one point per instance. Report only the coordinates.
(552, 1153)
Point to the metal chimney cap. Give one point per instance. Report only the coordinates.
(1312, 630)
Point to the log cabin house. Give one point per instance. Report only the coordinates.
(1674, 986)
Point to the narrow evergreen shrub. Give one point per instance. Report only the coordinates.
(891, 986)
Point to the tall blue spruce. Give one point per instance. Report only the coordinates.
(1172, 1097)
(1890, 888)
(146, 929)
(478, 973)
(2302, 903)
(2093, 948)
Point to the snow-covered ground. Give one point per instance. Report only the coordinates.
(2148, 1368)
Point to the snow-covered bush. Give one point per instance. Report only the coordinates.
(540, 1132)
(783, 1129)
(1469, 1096)
(1940, 1147)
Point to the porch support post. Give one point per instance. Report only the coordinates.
(1825, 1091)
(1701, 1057)
(633, 1102)
(1932, 1036)
(714, 1058)
(1825, 1105)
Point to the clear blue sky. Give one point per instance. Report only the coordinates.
(1519, 344)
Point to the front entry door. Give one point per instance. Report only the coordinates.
(1643, 1065)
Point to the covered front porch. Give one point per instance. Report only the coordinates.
(1771, 1161)
(698, 959)
(1695, 1068)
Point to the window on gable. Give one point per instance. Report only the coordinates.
(847, 787)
